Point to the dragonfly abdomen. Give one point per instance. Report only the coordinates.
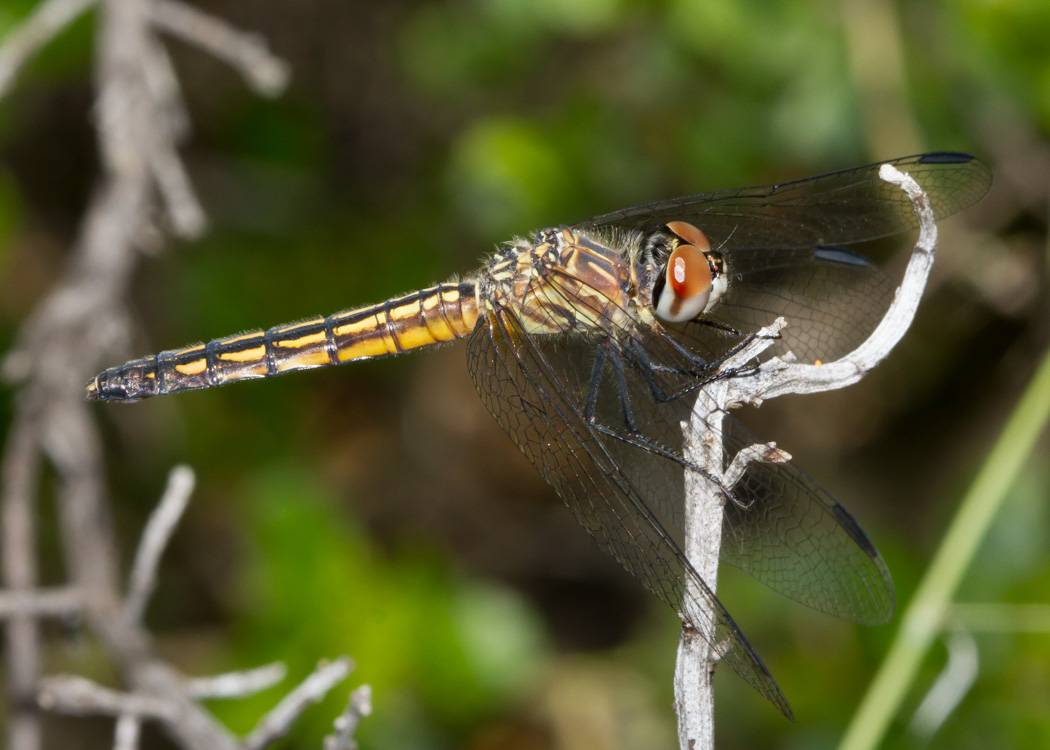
(430, 316)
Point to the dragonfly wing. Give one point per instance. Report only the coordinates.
(788, 532)
(780, 526)
(843, 207)
(636, 388)
(532, 400)
(832, 298)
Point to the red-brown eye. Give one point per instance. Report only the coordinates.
(687, 283)
(690, 234)
(688, 273)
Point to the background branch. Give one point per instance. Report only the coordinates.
(237, 684)
(359, 707)
(265, 73)
(277, 722)
(21, 466)
(140, 117)
(46, 22)
(161, 526)
(40, 603)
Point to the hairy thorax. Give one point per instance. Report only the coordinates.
(561, 281)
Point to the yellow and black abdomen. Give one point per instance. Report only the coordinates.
(431, 316)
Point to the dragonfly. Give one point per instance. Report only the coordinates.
(590, 342)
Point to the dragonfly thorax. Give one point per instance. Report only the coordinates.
(561, 281)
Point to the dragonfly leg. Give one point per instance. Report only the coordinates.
(610, 351)
(620, 379)
(709, 370)
(631, 434)
(591, 401)
(745, 340)
(647, 369)
(640, 441)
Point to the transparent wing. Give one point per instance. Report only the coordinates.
(636, 387)
(780, 526)
(833, 209)
(788, 532)
(528, 397)
(600, 416)
(600, 413)
(831, 298)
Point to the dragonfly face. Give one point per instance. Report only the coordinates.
(589, 343)
(691, 279)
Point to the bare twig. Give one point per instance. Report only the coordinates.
(266, 74)
(21, 466)
(187, 216)
(127, 731)
(780, 376)
(159, 528)
(359, 706)
(165, 90)
(46, 22)
(79, 696)
(313, 689)
(38, 603)
(238, 684)
(764, 452)
(777, 376)
(697, 652)
(140, 119)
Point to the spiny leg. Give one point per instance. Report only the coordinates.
(609, 351)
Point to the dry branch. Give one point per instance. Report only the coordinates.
(313, 689)
(126, 733)
(359, 707)
(159, 528)
(46, 22)
(140, 119)
(265, 73)
(39, 603)
(238, 684)
(69, 694)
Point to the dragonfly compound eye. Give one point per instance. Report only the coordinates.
(687, 282)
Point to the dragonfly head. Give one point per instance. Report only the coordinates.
(692, 280)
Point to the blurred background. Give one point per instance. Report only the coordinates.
(377, 509)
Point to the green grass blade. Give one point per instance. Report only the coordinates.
(922, 621)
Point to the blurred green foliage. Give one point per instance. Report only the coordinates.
(376, 510)
(440, 646)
